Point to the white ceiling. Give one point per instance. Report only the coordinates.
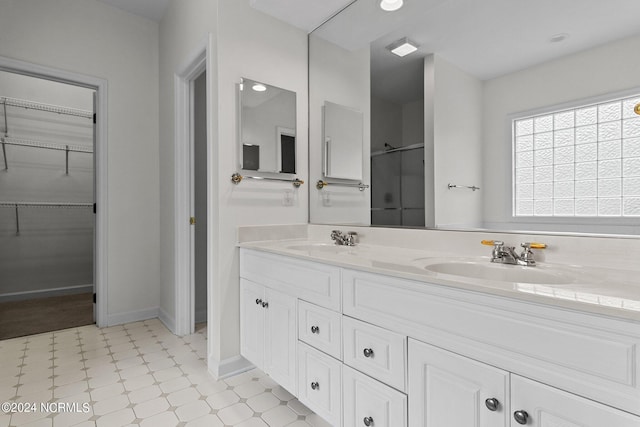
(151, 9)
(486, 38)
(305, 14)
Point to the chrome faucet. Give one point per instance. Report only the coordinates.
(504, 254)
(349, 239)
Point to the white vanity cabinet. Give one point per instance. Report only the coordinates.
(269, 332)
(449, 390)
(368, 349)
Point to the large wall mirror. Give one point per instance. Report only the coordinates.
(267, 128)
(502, 115)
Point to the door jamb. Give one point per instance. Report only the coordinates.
(184, 284)
(101, 162)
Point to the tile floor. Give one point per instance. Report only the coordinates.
(138, 374)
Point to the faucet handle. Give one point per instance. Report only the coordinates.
(533, 245)
(492, 242)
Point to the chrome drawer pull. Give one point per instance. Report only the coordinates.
(368, 352)
(521, 417)
(492, 404)
(315, 385)
(265, 305)
(258, 301)
(315, 330)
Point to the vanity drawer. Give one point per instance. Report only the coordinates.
(320, 328)
(377, 352)
(307, 280)
(369, 402)
(320, 383)
(589, 355)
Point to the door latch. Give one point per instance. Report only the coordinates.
(192, 220)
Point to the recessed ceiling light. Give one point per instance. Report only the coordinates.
(259, 87)
(391, 5)
(559, 38)
(403, 47)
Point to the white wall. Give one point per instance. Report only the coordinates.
(89, 37)
(248, 44)
(458, 146)
(53, 253)
(386, 124)
(413, 123)
(595, 72)
(341, 77)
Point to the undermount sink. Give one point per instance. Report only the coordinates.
(499, 272)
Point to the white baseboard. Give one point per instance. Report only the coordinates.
(168, 321)
(45, 293)
(132, 316)
(228, 367)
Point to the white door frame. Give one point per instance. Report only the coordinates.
(101, 161)
(184, 284)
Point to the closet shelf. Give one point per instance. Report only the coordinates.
(47, 145)
(40, 144)
(19, 205)
(32, 105)
(44, 205)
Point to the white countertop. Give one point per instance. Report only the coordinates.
(604, 291)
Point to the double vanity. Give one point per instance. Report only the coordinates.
(378, 334)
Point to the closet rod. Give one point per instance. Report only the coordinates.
(46, 145)
(32, 105)
(44, 205)
(16, 205)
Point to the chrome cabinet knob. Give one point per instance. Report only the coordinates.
(258, 301)
(315, 385)
(368, 352)
(368, 421)
(315, 330)
(521, 417)
(265, 304)
(492, 404)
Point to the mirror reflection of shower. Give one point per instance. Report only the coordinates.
(397, 141)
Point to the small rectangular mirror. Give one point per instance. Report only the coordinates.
(267, 125)
(342, 136)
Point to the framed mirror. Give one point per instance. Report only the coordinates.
(454, 86)
(342, 132)
(267, 128)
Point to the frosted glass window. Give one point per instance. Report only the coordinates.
(579, 162)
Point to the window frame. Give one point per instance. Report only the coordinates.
(591, 222)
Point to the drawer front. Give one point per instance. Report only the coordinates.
(320, 328)
(368, 402)
(593, 356)
(306, 280)
(320, 383)
(377, 352)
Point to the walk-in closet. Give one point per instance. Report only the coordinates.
(46, 205)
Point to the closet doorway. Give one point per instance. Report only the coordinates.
(199, 162)
(47, 196)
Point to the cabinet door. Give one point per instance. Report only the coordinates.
(252, 322)
(448, 390)
(539, 405)
(281, 338)
(368, 402)
(320, 384)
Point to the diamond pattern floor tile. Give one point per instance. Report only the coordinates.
(137, 374)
